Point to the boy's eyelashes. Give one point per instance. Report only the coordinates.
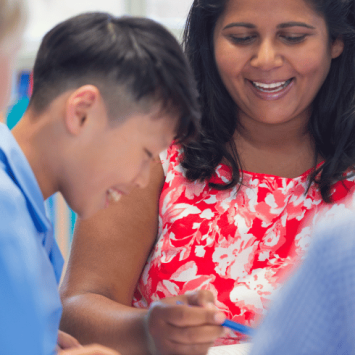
(150, 155)
(153, 158)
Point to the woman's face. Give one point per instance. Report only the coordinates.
(273, 56)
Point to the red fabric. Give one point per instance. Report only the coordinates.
(237, 245)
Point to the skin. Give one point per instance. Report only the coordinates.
(74, 148)
(94, 349)
(92, 153)
(66, 344)
(102, 306)
(273, 139)
(66, 341)
(281, 40)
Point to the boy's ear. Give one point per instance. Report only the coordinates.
(78, 106)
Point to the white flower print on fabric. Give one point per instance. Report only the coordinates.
(240, 246)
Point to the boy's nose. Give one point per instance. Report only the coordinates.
(142, 179)
(266, 56)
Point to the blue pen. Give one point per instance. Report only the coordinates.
(232, 325)
(238, 327)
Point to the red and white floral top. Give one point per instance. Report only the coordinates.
(237, 245)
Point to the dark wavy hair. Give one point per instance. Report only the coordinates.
(332, 123)
(135, 63)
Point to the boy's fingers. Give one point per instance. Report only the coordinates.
(93, 349)
(66, 341)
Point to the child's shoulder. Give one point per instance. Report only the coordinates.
(9, 190)
(13, 206)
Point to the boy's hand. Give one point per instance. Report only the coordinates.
(66, 341)
(68, 345)
(187, 324)
(93, 349)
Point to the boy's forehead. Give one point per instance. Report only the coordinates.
(158, 123)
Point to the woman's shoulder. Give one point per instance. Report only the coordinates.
(171, 156)
(343, 188)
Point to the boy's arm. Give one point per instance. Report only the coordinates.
(28, 289)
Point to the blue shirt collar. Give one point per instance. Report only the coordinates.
(24, 177)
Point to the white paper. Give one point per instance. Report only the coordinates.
(236, 349)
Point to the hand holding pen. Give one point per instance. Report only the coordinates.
(173, 328)
(240, 328)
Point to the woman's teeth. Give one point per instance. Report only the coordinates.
(114, 195)
(274, 87)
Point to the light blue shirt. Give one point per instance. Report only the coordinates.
(30, 260)
(314, 313)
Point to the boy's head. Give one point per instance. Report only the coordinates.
(125, 91)
(135, 63)
(12, 18)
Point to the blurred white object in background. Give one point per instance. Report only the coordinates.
(171, 13)
(45, 14)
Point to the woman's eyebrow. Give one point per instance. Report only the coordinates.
(240, 24)
(282, 25)
(295, 24)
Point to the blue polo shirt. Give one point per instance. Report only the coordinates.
(30, 260)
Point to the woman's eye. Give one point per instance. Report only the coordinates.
(293, 39)
(242, 40)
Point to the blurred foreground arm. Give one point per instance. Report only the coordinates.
(315, 312)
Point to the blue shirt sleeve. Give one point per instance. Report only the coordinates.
(315, 311)
(29, 302)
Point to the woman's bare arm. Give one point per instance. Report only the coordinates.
(108, 254)
(107, 257)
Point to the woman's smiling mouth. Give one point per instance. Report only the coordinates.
(273, 87)
(272, 90)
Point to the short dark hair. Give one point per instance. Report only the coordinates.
(332, 123)
(135, 63)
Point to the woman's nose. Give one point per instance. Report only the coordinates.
(266, 56)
